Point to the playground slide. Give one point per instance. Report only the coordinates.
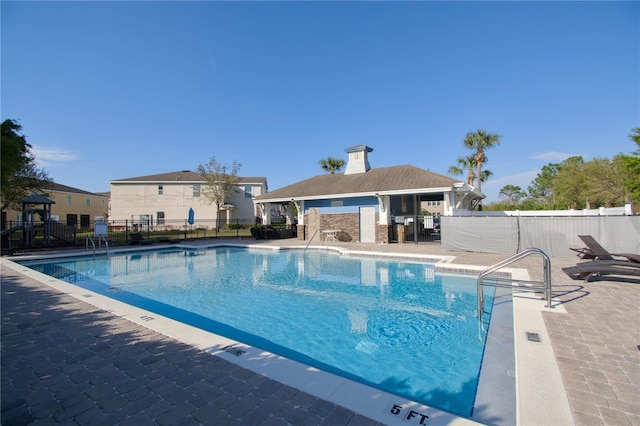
(10, 231)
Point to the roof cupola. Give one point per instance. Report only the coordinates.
(358, 159)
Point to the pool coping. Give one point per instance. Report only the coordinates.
(537, 401)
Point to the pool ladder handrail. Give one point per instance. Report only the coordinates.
(311, 239)
(106, 243)
(533, 286)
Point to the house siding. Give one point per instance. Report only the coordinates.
(98, 206)
(131, 200)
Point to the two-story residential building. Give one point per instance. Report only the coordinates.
(165, 200)
(72, 206)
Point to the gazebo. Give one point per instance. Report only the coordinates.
(28, 210)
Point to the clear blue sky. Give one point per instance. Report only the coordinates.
(111, 90)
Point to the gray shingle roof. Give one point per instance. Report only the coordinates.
(385, 179)
(64, 188)
(183, 176)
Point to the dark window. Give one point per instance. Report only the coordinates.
(72, 219)
(85, 221)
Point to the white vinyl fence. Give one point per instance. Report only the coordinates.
(626, 210)
(553, 235)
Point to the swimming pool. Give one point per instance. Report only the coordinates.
(393, 324)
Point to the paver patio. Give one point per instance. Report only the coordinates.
(66, 362)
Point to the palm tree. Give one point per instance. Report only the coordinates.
(479, 141)
(469, 164)
(465, 163)
(331, 165)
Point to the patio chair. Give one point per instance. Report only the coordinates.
(136, 239)
(594, 251)
(169, 240)
(587, 270)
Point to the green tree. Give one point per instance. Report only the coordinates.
(569, 184)
(631, 165)
(15, 150)
(331, 164)
(541, 188)
(635, 137)
(597, 183)
(20, 176)
(512, 194)
(220, 181)
(605, 184)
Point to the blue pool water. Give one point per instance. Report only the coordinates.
(395, 325)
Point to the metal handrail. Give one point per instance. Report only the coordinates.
(504, 282)
(106, 243)
(311, 239)
(92, 243)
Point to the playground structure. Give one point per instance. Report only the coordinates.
(30, 227)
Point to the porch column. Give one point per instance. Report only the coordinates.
(266, 213)
(384, 216)
(300, 207)
(290, 218)
(301, 227)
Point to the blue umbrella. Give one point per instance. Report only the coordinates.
(191, 216)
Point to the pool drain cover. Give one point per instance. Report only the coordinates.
(533, 337)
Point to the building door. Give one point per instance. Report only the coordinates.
(368, 224)
(72, 219)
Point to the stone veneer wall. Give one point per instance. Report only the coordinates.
(300, 232)
(349, 224)
(383, 234)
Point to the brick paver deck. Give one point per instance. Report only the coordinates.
(67, 362)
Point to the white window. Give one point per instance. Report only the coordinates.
(87, 202)
(248, 191)
(69, 199)
(160, 217)
(196, 190)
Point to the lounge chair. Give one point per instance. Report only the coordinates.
(595, 251)
(136, 238)
(587, 270)
(169, 240)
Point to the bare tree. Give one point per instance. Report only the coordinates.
(220, 180)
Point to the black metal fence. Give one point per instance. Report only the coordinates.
(424, 230)
(40, 234)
